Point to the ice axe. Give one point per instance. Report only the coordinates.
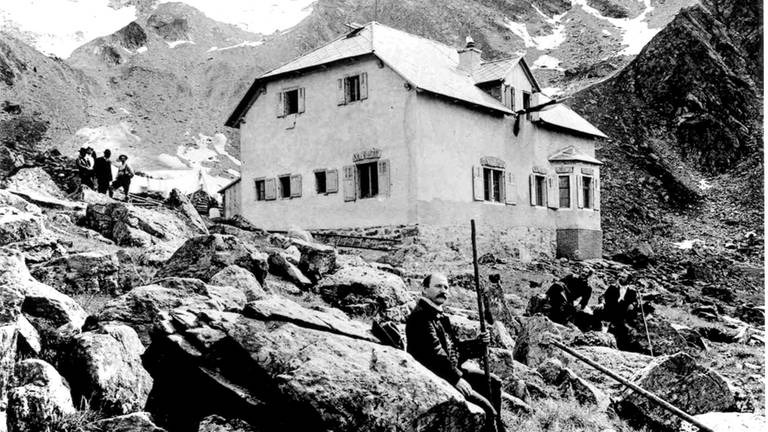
(645, 323)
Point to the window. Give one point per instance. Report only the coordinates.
(512, 98)
(261, 192)
(564, 186)
(353, 88)
(492, 180)
(320, 183)
(538, 190)
(586, 186)
(285, 186)
(527, 103)
(367, 180)
(290, 102)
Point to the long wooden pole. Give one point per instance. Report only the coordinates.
(657, 400)
(645, 323)
(480, 306)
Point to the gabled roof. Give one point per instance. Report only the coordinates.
(426, 65)
(560, 116)
(497, 70)
(230, 184)
(571, 154)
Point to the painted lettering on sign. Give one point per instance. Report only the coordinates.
(373, 153)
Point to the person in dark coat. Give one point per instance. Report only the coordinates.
(568, 296)
(433, 343)
(617, 306)
(102, 170)
(85, 168)
(124, 176)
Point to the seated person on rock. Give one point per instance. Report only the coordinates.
(433, 342)
(617, 306)
(569, 296)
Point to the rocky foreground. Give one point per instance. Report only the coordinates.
(120, 318)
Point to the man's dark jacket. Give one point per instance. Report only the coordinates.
(433, 343)
(102, 169)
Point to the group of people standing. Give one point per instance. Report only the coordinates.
(96, 172)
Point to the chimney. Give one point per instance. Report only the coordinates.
(469, 57)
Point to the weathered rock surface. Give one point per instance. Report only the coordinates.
(40, 249)
(40, 396)
(35, 185)
(466, 328)
(664, 338)
(216, 423)
(595, 338)
(280, 266)
(134, 422)
(17, 225)
(570, 385)
(128, 225)
(12, 200)
(104, 367)
(28, 343)
(203, 256)
(532, 345)
(728, 422)
(365, 291)
(682, 382)
(240, 278)
(86, 272)
(178, 201)
(226, 297)
(298, 378)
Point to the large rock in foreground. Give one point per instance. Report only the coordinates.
(135, 422)
(39, 398)
(86, 272)
(366, 291)
(134, 226)
(104, 367)
(204, 256)
(17, 225)
(278, 375)
(679, 380)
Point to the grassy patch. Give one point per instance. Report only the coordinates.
(564, 415)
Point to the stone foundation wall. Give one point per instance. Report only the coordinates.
(523, 243)
(579, 243)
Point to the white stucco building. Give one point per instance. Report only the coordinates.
(381, 128)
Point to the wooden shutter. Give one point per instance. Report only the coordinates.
(346, 90)
(301, 100)
(553, 192)
(384, 181)
(364, 85)
(532, 188)
(331, 181)
(579, 192)
(280, 104)
(350, 188)
(596, 194)
(295, 185)
(341, 94)
(510, 188)
(270, 189)
(512, 98)
(478, 186)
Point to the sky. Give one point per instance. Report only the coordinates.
(59, 26)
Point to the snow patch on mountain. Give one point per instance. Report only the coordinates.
(636, 33)
(174, 44)
(547, 62)
(57, 27)
(241, 44)
(113, 137)
(543, 43)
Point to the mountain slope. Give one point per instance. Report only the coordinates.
(684, 115)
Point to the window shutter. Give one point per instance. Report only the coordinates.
(340, 92)
(579, 191)
(332, 181)
(364, 85)
(346, 91)
(512, 98)
(596, 194)
(532, 188)
(350, 188)
(553, 192)
(301, 100)
(295, 185)
(270, 190)
(280, 104)
(478, 188)
(510, 188)
(384, 185)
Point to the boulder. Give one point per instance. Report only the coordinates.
(35, 185)
(80, 273)
(40, 397)
(366, 291)
(595, 338)
(466, 328)
(10, 161)
(679, 380)
(40, 249)
(274, 284)
(240, 278)
(12, 270)
(280, 266)
(571, 385)
(28, 343)
(751, 314)
(17, 225)
(214, 423)
(532, 345)
(179, 202)
(623, 363)
(142, 307)
(226, 297)
(104, 367)
(727, 422)
(692, 337)
(317, 260)
(8, 199)
(134, 226)
(300, 234)
(203, 256)
(134, 422)
(299, 378)
(664, 338)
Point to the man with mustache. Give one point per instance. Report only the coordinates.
(433, 342)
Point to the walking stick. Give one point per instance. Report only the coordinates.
(480, 306)
(645, 323)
